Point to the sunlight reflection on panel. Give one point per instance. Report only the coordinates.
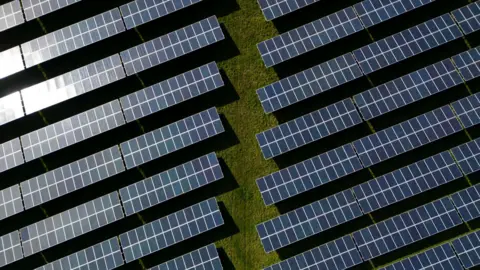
(11, 108)
(10, 62)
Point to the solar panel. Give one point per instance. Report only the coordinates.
(37, 8)
(308, 83)
(171, 183)
(308, 220)
(407, 136)
(339, 254)
(172, 45)
(407, 43)
(10, 155)
(72, 37)
(72, 84)
(273, 9)
(308, 174)
(203, 258)
(406, 228)
(467, 202)
(11, 62)
(407, 89)
(441, 257)
(308, 128)
(171, 92)
(10, 15)
(171, 229)
(468, 63)
(11, 108)
(172, 137)
(468, 17)
(71, 223)
(71, 177)
(309, 37)
(468, 156)
(105, 255)
(406, 182)
(10, 202)
(468, 110)
(10, 248)
(468, 249)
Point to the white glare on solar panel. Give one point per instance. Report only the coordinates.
(276, 8)
(468, 156)
(468, 110)
(408, 43)
(172, 45)
(467, 202)
(407, 89)
(72, 177)
(105, 256)
(72, 37)
(468, 63)
(171, 229)
(468, 17)
(203, 258)
(71, 223)
(468, 249)
(72, 84)
(10, 155)
(10, 248)
(10, 15)
(37, 8)
(171, 92)
(11, 62)
(11, 108)
(10, 202)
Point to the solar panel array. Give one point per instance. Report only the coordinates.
(37, 8)
(468, 250)
(10, 248)
(468, 17)
(468, 110)
(10, 202)
(468, 156)
(276, 8)
(11, 108)
(10, 155)
(10, 15)
(12, 62)
(202, 258)
(467, 202)
(467, 63)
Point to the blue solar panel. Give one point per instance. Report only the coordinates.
(408, 43)
(308, 128)
(468, 110)
(276, 8)
(308, 83)
(468, 63)
(407, 89)
(308, 174)
(468, 17)
(407, 135)
(468, 249)
(203, 258)
(467, 202)
(468, 156)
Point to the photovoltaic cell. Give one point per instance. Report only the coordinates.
(468, 249)
(468, 156)
(408, 43)
(203, 258)
(11, 62)
(10, 15)
(468, 110)
(273, 9)
(10, 248)
(170, 184)
(308, 220)
(339, 254)
(309, 37)
(10, 155)
(72, 37)
(407, 136)
(308, 174)
(172, 45)
(72, 84)
(407, 89)
(72, 177)
(172, 137)
(308, 83)
(71, 223)
(171, 229)
(11, 108)
(308, 128)
(406, 228)
(10, 202)
(467, 202)
(171, 92)
(37, 8)
(468, 63)
(406, 182)
(468, 17)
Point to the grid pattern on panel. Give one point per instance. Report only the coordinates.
(405, 44)
(468, 156)
(406, 182)
(468, 110)
(72, 84)
(172, 137)
(172, 45)
(309, 37)
(308, 174)
(339, 254)
(308, 220)
(407, 89)
(11, 108)
(468, 17)
(309, 82)
(105, 255)
(10, 155)
(72, 177)
(203, 258)
(72, 37)
(71, 223)
(10, 202)
(142, 11)
(468, 63)
(11, 62)
(10, 15)
(10, 248)
(406, 228)
(171, 183)
(171, 92)
(273, 9)
(171, 229)
(37, 8)
(407, 135)
(468, 249)
(467, 202)
(308, 128)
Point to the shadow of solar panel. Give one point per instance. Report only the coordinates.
(171, 92)
(171, 229)
(308, 174)
(105, 256)
(468, 249)
(11, 108)
(407, 136)
(37, 8)
(308, 220)
(468, 110)
(468, 63)
(406, 182)
(468, 17)
(71, 224)
(10, 155)
(308, 128)
(172, 45)
(10, 248)
(142, 11)
(467, 202)
(203, 258)
(72, 84)
(273, 9)
(406, 228)
(308, 83)
(11, 62)
(10, 202)
(339, 254)
(171, 183)
(407, 43)
(468, 156)
(407, 89)
(10, 15)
